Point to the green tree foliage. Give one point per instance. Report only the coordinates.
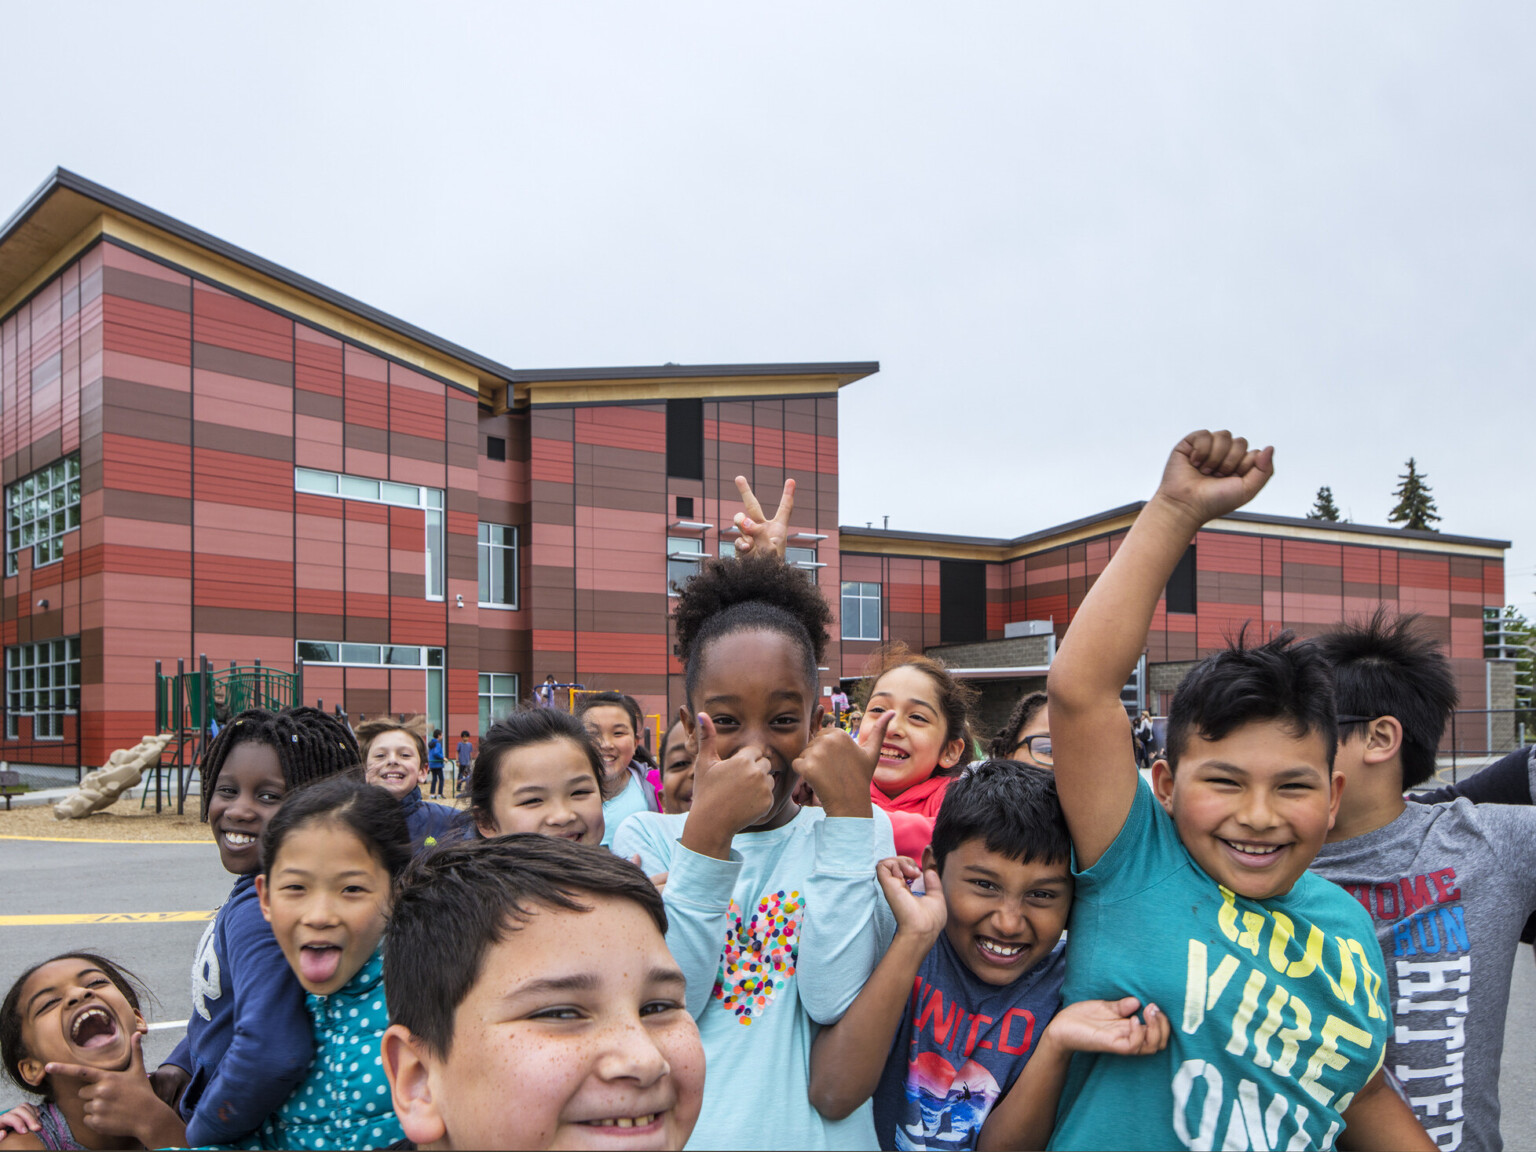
(1323, 508)
(1415, 506)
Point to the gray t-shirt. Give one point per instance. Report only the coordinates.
(1449, 887)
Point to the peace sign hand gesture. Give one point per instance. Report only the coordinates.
(758, 533)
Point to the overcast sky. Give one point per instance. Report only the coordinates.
(1069, 233)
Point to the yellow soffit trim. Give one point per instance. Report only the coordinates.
(242, 279)
(1369, 540)
(855, 542)
(77, 244)
(543, 392)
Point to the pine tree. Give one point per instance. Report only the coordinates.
(1415, 506)
(1323, 508)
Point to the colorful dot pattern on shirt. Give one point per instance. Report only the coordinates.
(344, 1101)
(759, 956)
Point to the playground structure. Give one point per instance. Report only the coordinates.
(100, 789)
(191, 706)
(653, 731)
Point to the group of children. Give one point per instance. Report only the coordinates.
(787, 937)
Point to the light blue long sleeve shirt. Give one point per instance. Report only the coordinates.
(775, 943)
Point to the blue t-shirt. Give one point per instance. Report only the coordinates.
(637, 796)
(1277, 1007)
(961, 1045)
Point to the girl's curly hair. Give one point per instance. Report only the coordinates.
(750, 594)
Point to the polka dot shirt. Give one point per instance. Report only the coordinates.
(344, 1102)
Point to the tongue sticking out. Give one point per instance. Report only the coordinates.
(318, 965)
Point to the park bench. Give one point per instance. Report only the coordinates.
(10, 785)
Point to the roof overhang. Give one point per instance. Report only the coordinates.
(573, 386)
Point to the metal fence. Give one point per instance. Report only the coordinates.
(1476, 737)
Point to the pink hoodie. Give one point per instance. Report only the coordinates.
(912, 813)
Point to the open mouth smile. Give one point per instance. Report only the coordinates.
(1253, 853)
(236, 841)
(999, 951)
(890, 753)
(95, 1027)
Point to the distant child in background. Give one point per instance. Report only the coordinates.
(330, 858)
(676, 771)
(960, 1004)
(773, 909)
(533, 1003)
(538, 771)
(395, 757)
(1027, 734)
(71, 1031)
(928, 742)
(435, 762)
(248, 1040)
(464, 755)
(1449, 886)
(1193, 892)
(614, 722)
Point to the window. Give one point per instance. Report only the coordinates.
(861, 611)
(685, 439)
(495, 448)
(368, 655)
(962, 601)
(685, 556)
(42, 681)
(498, 696)
(685, 507)
(39, 509)
(498, 566)
(430, 500)
(727, 549)
(801, 558)
(1180, 593)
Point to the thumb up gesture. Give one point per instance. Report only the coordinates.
(728, 795)
(840, 769)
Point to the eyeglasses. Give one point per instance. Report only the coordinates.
(1354, 719)
(1038, 748)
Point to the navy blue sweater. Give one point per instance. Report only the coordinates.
(428, 821)
(248, 1041)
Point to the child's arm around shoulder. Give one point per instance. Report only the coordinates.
(1207, 475)
(848, 1058)
(1024, 1118)
(1377, 1118)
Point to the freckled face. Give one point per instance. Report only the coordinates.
(575, 1035)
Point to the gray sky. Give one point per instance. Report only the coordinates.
(1070, 233)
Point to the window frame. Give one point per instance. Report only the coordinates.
(862, 597)
(22, 532)
(347, 486)
(486, 549)
(17, 690)
(487, 699)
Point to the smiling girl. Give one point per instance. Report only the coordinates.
(330, 858)
(613, 721)
(927, 744)
(247, 1042)
(773, 910)
(539, 772)
(71, 1031)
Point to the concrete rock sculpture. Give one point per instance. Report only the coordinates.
(101, 788)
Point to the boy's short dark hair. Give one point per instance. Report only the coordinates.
(1278, 680)
(1008, 805)
(455, 903)
(1387, 666)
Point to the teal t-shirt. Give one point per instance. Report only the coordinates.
(1277, 1010)
(621, 807)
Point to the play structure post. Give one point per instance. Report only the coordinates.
(298, 681)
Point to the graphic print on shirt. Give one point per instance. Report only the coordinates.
(1284, 1037)
(205, 972)
(1431, 956)
(759, 955)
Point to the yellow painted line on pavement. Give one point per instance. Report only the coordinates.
(85, 840)
(105, 918)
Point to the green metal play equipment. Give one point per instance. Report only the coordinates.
(188, 705)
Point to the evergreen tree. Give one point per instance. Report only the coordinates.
(1323, 508)
(1415, 506)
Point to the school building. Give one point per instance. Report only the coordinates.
(205, 453)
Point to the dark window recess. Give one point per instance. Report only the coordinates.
(962, 601)
(495, 448)
(1180, 594)
(685, 507)
(685, 439)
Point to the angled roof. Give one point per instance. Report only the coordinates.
(67, 213)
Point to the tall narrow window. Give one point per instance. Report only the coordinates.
(435, 584)
(498, 566)
(1180, 592)
(861, 610)
(498, 696)
(685, 556)
(962, 601)
(685, 439)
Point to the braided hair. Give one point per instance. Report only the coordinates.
(310, 745)
(750, 594)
